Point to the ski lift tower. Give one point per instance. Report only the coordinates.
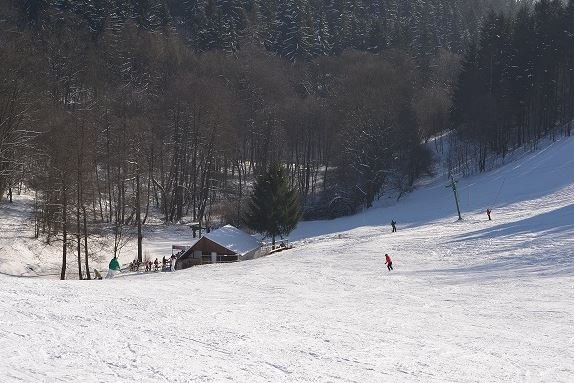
(453, 185)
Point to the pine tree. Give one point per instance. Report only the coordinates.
(274, 208)
(31, 10)
(358, 26)
(293, 37)
(265, 11)
(198, 21)
(96, 14)
(423, 36)
(376, 41)
(231, 21)
(521, 72)
(322, 39)
(466, 109)
(489, 89)
(547, 36)
(150, 14)
(334, 15)
(566, 63)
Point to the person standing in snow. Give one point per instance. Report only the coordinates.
(488, 213)
(388, 262)
(97, 274)
(156, 264)
(173, 263)
(393, 228)
(113, 268)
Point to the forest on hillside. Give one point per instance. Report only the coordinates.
(111, 108)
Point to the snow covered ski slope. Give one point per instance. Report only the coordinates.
(468, 301)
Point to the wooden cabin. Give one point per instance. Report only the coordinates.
(226, 244)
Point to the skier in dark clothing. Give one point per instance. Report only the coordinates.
(393, 228)
(388, 262)
(489, 213)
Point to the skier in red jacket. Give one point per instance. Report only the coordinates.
(388, 262)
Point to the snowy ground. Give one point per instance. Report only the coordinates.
(469, 301)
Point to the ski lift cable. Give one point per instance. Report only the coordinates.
(498, 192)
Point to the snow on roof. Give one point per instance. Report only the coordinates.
(233, 239)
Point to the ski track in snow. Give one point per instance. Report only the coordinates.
(468, 301)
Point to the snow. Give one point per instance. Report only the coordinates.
(468, 301)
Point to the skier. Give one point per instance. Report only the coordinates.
(97, 275)
(488, 213)
(164, 261)
(113, 268)
(156, 264)
(388, 262)
(393, 228)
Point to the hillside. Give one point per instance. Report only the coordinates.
(467, 301)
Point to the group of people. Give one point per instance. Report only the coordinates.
(135, 265)
(167, 264)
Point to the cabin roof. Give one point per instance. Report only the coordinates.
(233, 239)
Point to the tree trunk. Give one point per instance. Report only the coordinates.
(99, 194)
(36, 218)
(79, 240)
(108, 179)
(86, 245)
(150, 176)
(138, 215)
(64, 230)
(78, 229)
